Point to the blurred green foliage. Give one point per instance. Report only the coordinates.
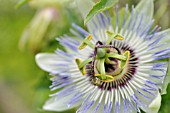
(24, 87)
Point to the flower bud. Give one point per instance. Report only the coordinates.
(40, 28)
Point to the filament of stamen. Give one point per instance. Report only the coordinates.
(113, 36)
(86, 42)
(81, 65)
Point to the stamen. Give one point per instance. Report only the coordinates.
(81, 65)
(86, 42)
(113, 36)
(123, 63)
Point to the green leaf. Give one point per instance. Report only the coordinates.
(20, 3)
(99, 7)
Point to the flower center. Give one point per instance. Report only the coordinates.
(111, 65)
(106, 63)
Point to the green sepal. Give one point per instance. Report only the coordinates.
(166, 80)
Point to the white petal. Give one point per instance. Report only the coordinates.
(146, 7)
(59, 104)
(165, 39)
(47, 61)
(155, 104)
(139, 21)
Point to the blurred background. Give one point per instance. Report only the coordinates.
(32, 28)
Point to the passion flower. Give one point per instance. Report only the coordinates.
(109, 69)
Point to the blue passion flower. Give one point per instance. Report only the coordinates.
(109, 69)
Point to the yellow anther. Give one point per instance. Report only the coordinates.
(97, 74)
(107, 76)
(119, 38)
(81, 64)
(86, 42)
(124, 63)
(84, 71)
(112, 36)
